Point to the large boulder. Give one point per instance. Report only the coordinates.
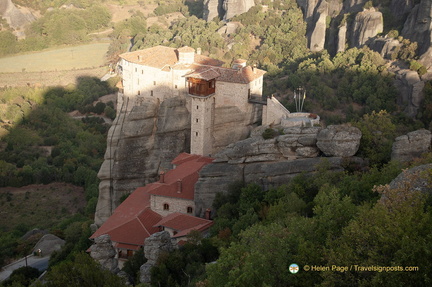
(154, 246)
(416, 178)
(411, 145)
(340, 141)
(103, 252)
(48, 244)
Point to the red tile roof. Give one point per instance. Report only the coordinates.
(163, 57)
(133, 220)
(184, 223)
(187, 171)
(243, 76)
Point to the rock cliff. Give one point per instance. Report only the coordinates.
(154, 246)
(147, 135)
(141, 143)
(418, 28)
(271, 162)
(103, 252)
(16, 17)
(411, 145)
(225, 9)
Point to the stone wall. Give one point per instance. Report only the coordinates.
(175, 205)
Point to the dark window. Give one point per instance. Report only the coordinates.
(189, 209)
(166, 206)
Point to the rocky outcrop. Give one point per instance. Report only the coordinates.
(212, 9)
(418, 28)
(225, 9)
(340, 141)
(410, 88)
(385, 46)
(367, 24)
(154, 246)
(411, 145)
(103, 252)
(268, 162)
(317, 37)
(141, 143)
(16, 17)
(236, 7)
(48, 244)
(417, 178)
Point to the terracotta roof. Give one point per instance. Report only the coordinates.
(187, 172)
(164, 57)
(157, 57)
(206, 73)
(133, 220)
(184, 223)
(186, 49)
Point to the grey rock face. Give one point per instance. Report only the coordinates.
(140, 144)
(236, 7)
(16, 18)
(273, 162)
(103, 252)
(411, 145)
(317, 38)
(212, 9)
(155, 245)
(418, 26)
(417, 178)
(410, 88)
(367, 24)
(385, 46)
(340, 141)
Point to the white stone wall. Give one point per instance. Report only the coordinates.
(274, 112)
(175, 205)
(232, 94)
(139, 80)
(202, 113)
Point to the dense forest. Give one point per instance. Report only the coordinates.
(331, 218)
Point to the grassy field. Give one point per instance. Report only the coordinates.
(41, 206)
(69, 58)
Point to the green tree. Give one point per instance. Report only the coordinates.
(378, 134)
(82, 271)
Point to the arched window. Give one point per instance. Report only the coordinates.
(189, 209)
(166, 206)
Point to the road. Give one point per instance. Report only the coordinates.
(40, 263)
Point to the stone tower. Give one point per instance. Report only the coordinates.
(202, 114)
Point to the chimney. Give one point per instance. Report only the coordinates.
(239, 64)
(208, 214)
(254, 68)
(198, 51)
(162, 177)
(139, 58)
(179, 186)
(186, 55)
